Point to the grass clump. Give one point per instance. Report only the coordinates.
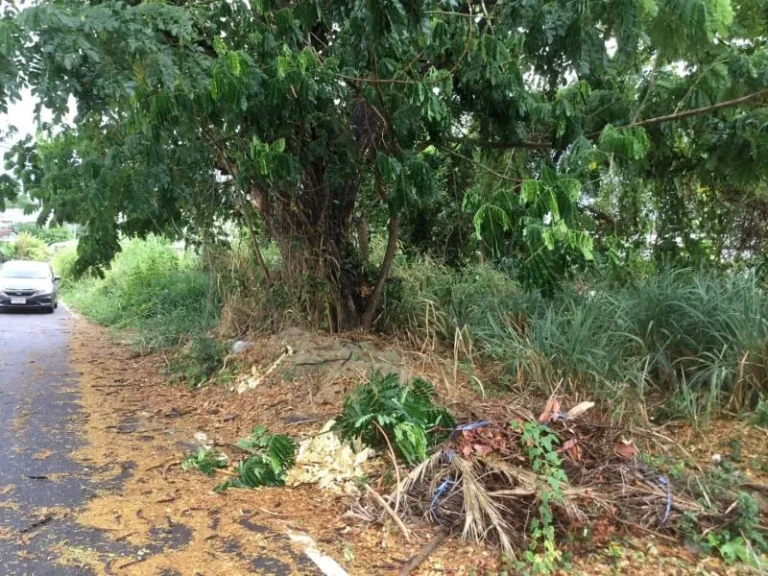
(271, 457)
(200, 358)
(404, 413)
(760, 415)
(699, 339)
(161, 298)
(26, 247)
(204, 460)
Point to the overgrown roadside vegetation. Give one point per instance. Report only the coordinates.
(676, 345)
(562, 202)
(160, 298)
(696, 340)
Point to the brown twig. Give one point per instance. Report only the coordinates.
(392, 513)
(429, 547)
(162, 464)
(394, 459)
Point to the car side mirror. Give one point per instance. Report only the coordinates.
(56, 278)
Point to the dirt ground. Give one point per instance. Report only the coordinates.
(140, 425)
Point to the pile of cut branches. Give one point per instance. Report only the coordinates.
(522, 482)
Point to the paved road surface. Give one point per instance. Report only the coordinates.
(41, 425)
(40, 416)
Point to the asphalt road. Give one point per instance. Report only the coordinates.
(42, 424)
(40, 427)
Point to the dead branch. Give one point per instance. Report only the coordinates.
(422, 555)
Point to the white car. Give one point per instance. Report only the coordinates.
(28, 285)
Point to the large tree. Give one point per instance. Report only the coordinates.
(193, 112)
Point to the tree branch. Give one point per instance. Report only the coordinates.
(502, 145)
(480, 165)
(386, 265)
(675, 116)
(690, 113)
(649, 90)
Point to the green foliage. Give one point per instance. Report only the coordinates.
(204, 460)
(533, 225)
(760, 416)
(698, 338)
(198, 360)
(26, 247)
(519, 130)
(161, 299)
(63, 264)
(404, 412)
(272, 456)
(742, 538)
(49, 235)
(540, 447)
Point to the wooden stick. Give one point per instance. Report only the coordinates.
(394, 462)
(392, 514)
(422, 555)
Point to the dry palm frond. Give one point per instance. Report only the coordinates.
(480, 484)
(481, 511)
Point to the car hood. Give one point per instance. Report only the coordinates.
(38, 284)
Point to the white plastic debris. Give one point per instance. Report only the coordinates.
(328, 462)
(240, 346)
(202, 439)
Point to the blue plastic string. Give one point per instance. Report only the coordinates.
(472, 426)
(664, 481)
(438, 493)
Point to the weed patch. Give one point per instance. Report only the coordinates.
(160, 298)
(700, 340)
(384, 410)
(205, 460)
(271, 457)
(198, 360)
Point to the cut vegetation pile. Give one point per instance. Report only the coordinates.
(524, 482)
(529, 483)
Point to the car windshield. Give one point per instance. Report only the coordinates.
(29, 270)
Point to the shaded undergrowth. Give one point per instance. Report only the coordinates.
(698, 340)
(694, 341)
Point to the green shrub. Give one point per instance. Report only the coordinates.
(760, 415)
(49, 235)
(204, 460)
(162, 298)
(404, 412)
(271, 457)
(199, 359)
(26, 247)
(63, 263)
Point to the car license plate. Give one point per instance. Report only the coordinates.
(18, 300)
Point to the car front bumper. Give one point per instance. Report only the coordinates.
(34, 301)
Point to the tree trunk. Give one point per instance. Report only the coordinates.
(363, 242)
(312, 232)
(386, 266)
(246, 210)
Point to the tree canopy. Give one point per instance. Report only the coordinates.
(539, 133)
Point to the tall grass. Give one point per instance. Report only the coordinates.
(161, 298)
(26, 247)
(698, 340)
